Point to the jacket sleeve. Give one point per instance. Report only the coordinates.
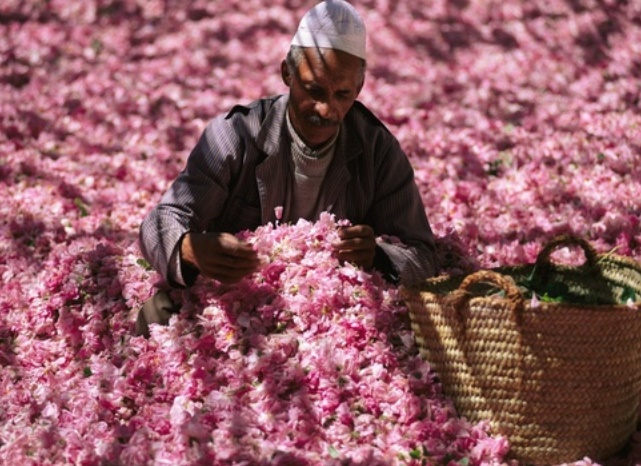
(405, 241)
(194, 199)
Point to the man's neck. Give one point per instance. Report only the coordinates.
(316, 151)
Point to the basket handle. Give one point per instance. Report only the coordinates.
(506, 283)
(503, 282)
(567, 240)
(512, 295)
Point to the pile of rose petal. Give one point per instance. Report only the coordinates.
(521, 118)
(308, 361)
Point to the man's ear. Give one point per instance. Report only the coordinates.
(285, 74)
(360, 88)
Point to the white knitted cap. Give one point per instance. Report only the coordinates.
(333, 24)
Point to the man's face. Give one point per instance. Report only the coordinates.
(321, 92)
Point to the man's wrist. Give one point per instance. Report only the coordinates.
(187, 256)
(188, 268)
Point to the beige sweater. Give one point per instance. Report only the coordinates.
(310, 167)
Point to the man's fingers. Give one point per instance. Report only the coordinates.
(357, 245)
(356, 231)
(221, 256)
(234, 247)
(232, 264)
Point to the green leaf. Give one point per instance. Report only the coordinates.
(628, 294)
(144, 264)
(415, 454)
(82, 207)
(333, 452)
(87, 371)
(528, 280)
(546, 298)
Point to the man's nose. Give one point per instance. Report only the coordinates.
(325, 109)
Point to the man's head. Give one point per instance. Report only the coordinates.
(324, 69)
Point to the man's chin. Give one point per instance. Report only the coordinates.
(319, 136)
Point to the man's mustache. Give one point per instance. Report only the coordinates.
(322, 122)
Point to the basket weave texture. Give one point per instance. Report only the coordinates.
(560, 380)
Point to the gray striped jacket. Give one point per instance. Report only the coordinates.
(237, 174)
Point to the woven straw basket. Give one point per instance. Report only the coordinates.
(560, 380)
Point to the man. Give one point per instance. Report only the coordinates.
(316, 149)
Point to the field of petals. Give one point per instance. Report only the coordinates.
(521, 118)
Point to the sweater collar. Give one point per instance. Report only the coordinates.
(303, 148)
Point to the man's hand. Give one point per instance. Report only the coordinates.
(357, 245)
(220, 256)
